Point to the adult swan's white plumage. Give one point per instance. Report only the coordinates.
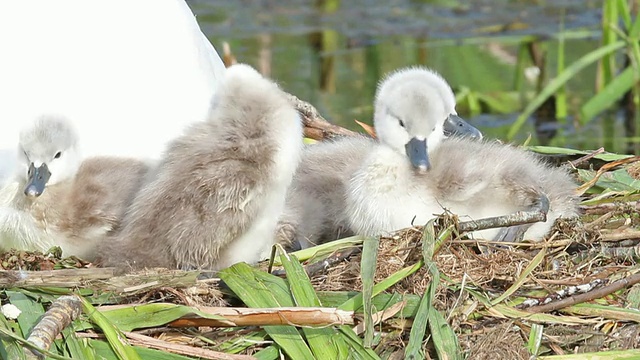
(136, 71)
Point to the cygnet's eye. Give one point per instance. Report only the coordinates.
(58, 154)
(401, 122)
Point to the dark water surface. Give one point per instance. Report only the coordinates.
(332, 53)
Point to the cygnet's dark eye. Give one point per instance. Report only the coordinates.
(58, 154)
(401, 122)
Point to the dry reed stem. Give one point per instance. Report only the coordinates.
(60, 314)
(138, 339)
(591, 295)
(235, 316)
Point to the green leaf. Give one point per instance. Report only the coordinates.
(31, 311)
(368, 264)
(524, 276)
(259, 289)
(552, 150)
(559, 81)
(357, 301)
(535, 339)
(75, 348)
(151, 315)
(269, 353)
(9, 349)
(444, 338)
(322, 341)
(114, 336)
(606, 97)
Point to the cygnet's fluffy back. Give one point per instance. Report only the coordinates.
(221, 185)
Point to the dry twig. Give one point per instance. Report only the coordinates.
(592, 295)
(315, 126)
(295, 316)
(61, 313)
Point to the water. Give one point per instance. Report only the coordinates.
(333, 53)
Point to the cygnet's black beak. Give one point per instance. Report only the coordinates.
(37, 180)
(417, 152)
(456, 126)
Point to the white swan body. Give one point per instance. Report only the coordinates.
(136, 71)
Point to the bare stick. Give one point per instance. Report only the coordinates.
(595, 294)
(295, 316)
(150, 342)
(138, 339)
(99, 278)
(61, 313)
(605, 208)
(315, 126)
(61, 278)
(518, 218)
(580, 160)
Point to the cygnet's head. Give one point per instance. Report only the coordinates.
(48, 153)
(414, 111)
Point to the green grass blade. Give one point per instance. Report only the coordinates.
(535, 339)
(8, 334)
(625, 13)
(322, 341)
(561, 95)
(114, 336)
(634, 31)
(368, 265)
(609, 95)
(75, 348)
(259, 289)
(605, 311)
(559, 81)
(444, 338)
(9, 349)
(319, 251)
(609, 36)
(269, 353)
(522, 279)
(356, 302)
(419, 327)
(603, 355)
(355, 343)
(567, 151)
(380, 301)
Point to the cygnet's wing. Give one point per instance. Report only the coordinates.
(314, 211)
